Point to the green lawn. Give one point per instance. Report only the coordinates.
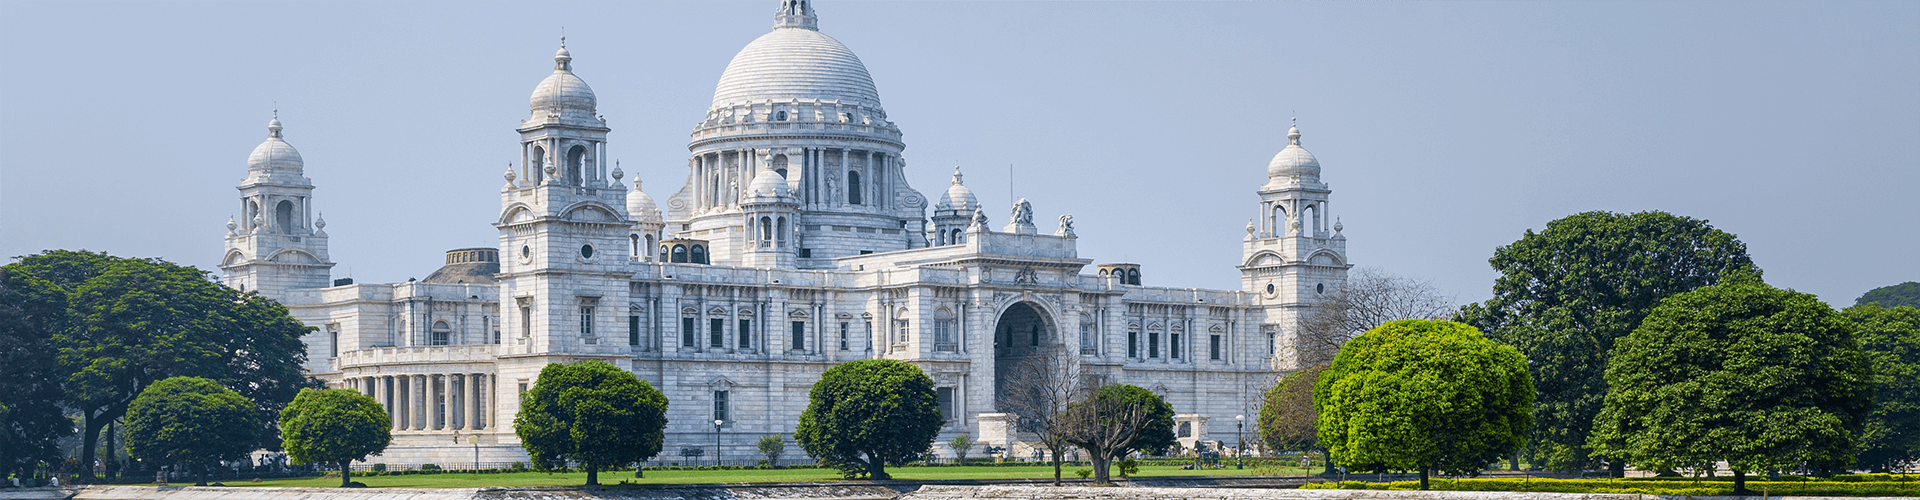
(459, 480)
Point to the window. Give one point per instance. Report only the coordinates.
(636, 245)
(699, 254)
(943, 335)
(900, 331)
(523, 389)
(1133, 343)
(333, 334)
(843, 336)
(746, 334)
(869, 332)
(720, 405)
(586, 251)
(687, 332)
(1173, 346)
(526, 321)
(1036, 336)
(633, 330)
(487, 325)
(806, 253)
(1214, 343)
(716, 330)
(586, 321)
(1086, 339)
(679, 253)
(1153, 344)
(283, 217)
(944, 395)
(853, 187)
(799, 342)
(442, 334)
(1270, 350)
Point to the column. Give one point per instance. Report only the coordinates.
(843, 177)
(418, 403)
(436, 401)
(403, 402)
(493, 406)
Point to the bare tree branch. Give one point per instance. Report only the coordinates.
(1369, 298)
(1042, 386)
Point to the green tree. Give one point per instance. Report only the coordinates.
(772, 446)
(1115, 420)
(334, 426)
(1565, 294)
(1424, 395)
(130, 322)
(961, 444)
(1891, 338)
(1287, 419)
(593, 414)
(191, 420)
(1904, 294)
(864, 415)
(31, 420)
(1763, 378)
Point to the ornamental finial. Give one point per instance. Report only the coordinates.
(796, 14)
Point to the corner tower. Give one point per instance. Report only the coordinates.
(798, 104)
(1291, 257)
(279, 242)
(564, 228)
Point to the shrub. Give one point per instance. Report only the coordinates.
(1083, 473)
(429, 467)
(379, 467)
(1128, 467)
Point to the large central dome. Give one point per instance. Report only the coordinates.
(795, 62)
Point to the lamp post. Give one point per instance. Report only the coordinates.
(716, 440)
(1239, 434)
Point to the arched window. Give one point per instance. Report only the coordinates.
(1310, 221)
(780, 166)
(442, 334)
(959, 237)
(853, 187)
(253, 210)
(1133, 276)
(766, 232)
(780, 232)
(698, 255)
(283, 216)
(577, 168)
(649, 241)
(680, 253)
(539, 166)
(636, 245)
(1277, 221)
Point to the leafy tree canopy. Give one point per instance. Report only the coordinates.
(1157, 435)
(334, 426)
(864, 415)
(191, 420)
(1904, 294)
(1565, 294)
(1287, 418)
(1763, 378)
(31, 420)
(1891, 336)
(130, 322)
(1424, 395)
(592, 414)
(1116, 420)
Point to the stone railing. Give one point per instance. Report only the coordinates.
(418, 354)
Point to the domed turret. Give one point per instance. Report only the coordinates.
(275, 155)
(958, 197)
(563, 93)
(640, 207)
(767, 185)
(1294, 161)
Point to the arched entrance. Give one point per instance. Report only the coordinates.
(1022, 331)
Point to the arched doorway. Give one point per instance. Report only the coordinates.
(1022, 331)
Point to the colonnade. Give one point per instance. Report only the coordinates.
(432, 401)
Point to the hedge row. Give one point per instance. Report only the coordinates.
(1644, 486)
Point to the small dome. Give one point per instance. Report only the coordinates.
(275, 154)
(1294, 161)
(767, 184)
(640, 207)
(958, 197)
(795, 62)
(564, 92)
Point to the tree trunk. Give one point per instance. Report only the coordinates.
(1100, 464)
(90, 441)
(1616, 468)
(1056, 467)
(1423, 478)
(346, 474)
(876, 468)
(1513, 462)
(593, 476)
(199, 475)
(1740, 483)
(1329, 457)
(108, 460)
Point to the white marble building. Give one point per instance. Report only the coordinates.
(795, 244)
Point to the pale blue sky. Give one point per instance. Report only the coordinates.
(1446, 129)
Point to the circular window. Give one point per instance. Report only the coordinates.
(586, 251)
(526, 251)
(1320, 288)
(1270, 288)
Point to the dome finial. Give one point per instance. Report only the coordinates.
(956, 175)
(562, 59)
(273, 126)
(1293, 134)
(796, 14)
